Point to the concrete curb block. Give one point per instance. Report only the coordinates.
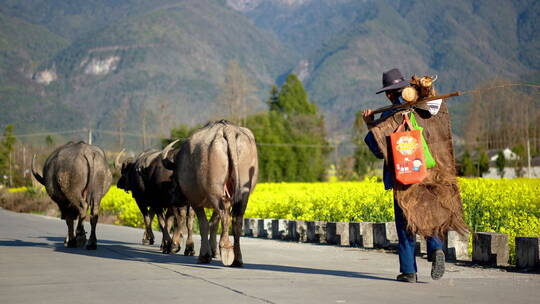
(280, 229)
(297, 231)
(366, 231)
(316, 232)
(264, 228)
(490, 248)
(528, 252)
(250, 227)
(385, 235)
(456, 246)
(355, 234)
(338, 233)
(421, 245)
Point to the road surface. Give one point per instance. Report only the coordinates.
(36, 268)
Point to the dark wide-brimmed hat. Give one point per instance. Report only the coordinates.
(392, 80)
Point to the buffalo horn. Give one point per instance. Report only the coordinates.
(117, 159)
(168, 148)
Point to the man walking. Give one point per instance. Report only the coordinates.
(393, 83)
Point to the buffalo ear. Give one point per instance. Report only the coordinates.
(168, 164)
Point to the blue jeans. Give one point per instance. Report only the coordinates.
(407, 243)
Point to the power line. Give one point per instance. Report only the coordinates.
(49, 133)
(518, 84)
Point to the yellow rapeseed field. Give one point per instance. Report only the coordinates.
(505, 206)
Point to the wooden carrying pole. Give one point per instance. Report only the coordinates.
(411, 104)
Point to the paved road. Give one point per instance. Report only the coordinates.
(36, 268)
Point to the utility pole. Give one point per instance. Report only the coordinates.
(144, 130)
(89, 136)
(336, 155)
(10, 178)
(528, 157)
(24, 161)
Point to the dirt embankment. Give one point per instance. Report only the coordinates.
(28, 202)
(37, 202)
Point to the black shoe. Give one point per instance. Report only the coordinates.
(437, 264)
(407, 277)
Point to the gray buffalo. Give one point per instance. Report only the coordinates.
(151, 187)
(76, 176)
(217, 168)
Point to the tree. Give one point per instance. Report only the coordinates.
(236, 93)
(49, 141)
(500, 163)
(364, 160)
(482, 162)
(181, 132)
(6, 149)
(293, 99)
(502, 117)
(467, 165)
(291, 136)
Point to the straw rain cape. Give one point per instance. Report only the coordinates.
(433, 206)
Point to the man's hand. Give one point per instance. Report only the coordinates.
(368, 116)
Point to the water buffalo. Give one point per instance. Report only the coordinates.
(76, 176)
(151, 186)
(217, 168)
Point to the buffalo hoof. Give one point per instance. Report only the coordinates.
(92, 246)
(81, 240)
(148, 242)
(71, 244)
(189, 251)
(227, 255)
(206, 259)
(166, 248)
(237, 263)
(175, 248)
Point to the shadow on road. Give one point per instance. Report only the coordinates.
(124, 251)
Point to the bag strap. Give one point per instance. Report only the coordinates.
(406, 123)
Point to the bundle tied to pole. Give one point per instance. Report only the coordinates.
(433, 206)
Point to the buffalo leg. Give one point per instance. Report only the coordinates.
(169, 225)
(92, 242)
(148, 237)
(166, 241)
(214, 225)
(81, 233)
(190, 247)
(179, 215)
(70, 241)
(237, 230)
(205, 254)
(225, 245)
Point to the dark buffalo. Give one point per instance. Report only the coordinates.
(150, 184)
(76, 177)
(217, 168)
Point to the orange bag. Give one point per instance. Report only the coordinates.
(408, 154)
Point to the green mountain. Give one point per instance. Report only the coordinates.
(23, 48)
(73, 18)
(347, 44)
(139, 65)
(118, 76)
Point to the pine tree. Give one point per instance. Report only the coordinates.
(467, 165)
(500, 163)
(482, 163)
(292, 136)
